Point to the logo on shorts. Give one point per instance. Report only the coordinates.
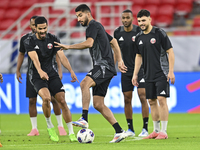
(142, 80)
(49, 46)
(163, 92)
(153, 40)
(133, 38)
(62, 88)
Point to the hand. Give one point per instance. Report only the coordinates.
(74, 78)
(171, 77)
(134, 80)
(1, 78)
(62, 46)
(43, 75)
(122, 67)
(19, 77)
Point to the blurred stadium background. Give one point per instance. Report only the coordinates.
(179, 18)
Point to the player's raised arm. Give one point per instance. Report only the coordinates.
(86, 44)
(34, 57)
(67, 65)
(59, 66)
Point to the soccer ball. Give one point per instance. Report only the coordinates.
(85, 136)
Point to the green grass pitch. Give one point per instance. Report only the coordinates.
(183, 132)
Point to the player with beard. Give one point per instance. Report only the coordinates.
(99, 44)
(155, 52)
(125, 36)
(30, 91)
(43, 74)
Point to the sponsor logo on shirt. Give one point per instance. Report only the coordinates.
(36, 47)
(121, 39)
(133, 38)
(140, 43)
(49, 46)
(153, 40)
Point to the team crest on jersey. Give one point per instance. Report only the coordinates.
(49, 46)
(153, 40)
(133, 38)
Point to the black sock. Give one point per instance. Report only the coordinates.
(130, 124)
(85, 115)
(145, 123)
(117, 128)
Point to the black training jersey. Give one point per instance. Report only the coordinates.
(153, 47)
(126, 41)
(46, 53)
(101, 51)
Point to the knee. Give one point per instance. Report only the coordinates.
(46, 101)
(83, 84)
(97, 106)
(143, 98)
(32, 101)
(127, 99)
(152, 102)
(162, 102)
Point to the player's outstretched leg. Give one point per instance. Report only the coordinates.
(98, 102)
(57, 112)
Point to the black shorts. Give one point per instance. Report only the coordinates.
(102, 77)
(126, 81)
(54, 84)
(158, 88)
(30, 91)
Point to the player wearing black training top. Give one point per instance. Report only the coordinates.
(98, 42)
(43, 75)
(30, 91)
(153, 45)
(125, 36)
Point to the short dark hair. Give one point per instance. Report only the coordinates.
(83, 8)
(127, 11)
(33, 17)
(142, 13)
(40, 20)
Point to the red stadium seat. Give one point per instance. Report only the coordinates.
(6, 23)
(168, 2)
(2, 12)
(153, 2)
(167, 10)
(135, 9)
(55, 11)
(181, 33)
(193, 32)
(12, 13)
(183, 7)
(163, 21)
(138, 2)
(152, 9)
(29, 15)
(196, 22)
(29, 3)
(16, 4)
(45, 1)
(24, 21)
(105, 21)
(4, 4)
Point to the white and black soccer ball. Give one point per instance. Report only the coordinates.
(85, 136)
